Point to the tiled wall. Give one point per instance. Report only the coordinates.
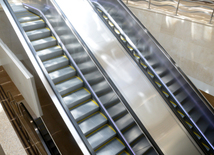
(190, 44)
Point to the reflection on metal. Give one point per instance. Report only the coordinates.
(156, 78)
(185, 6)
(131, 82)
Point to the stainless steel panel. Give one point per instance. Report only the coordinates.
(146, 102)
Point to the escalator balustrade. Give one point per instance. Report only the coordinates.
(169, 76)
(93, 123)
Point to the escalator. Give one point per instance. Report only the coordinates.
(93, 123)
(182, 96)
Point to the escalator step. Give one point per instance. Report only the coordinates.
(188, 106)
(202, 124)
(109, 99)
(25, 13)
(87, 67)
(167, 79)
(92, 123)
(101, 88)
(62, 74)
(55, 63)
(101, 136)
(44, 43)
(69, 85)
(195, 114)
(181, 96)
(175, 87)
(153, 62)
(28, 18)
(74, 47)
(210, 135)
(124, 122)
(80, 57)
(39, 33)
(161, 71)
(50, 53)
(65, 36)
(141, 146)
(132, 134)
(117, 110)
(94, 77)
(76, 97)
(27, 26)
(112, 147)
(84, 110)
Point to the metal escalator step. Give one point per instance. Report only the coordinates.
(80, 57)
(92, 123)
(109, 98)
(202, 124)
(39, 33)
(65, 36)
(44, 43)
(27, 26)
(84, 110)
(28, 18)
(69, 85)
(117, 110)
(175, 87)
(132, 134)
(210, 135)
(181, 96)
(153, 62)
(101, 136)
(74, 47)
(124, 153)
(124, 122)
(161, 70)
(87, 67)
(50, 53)
(147, 54)
(111, 148)
(188, 106)
(141, 146)
(24, 13)
(62, 74)
(150, 151)
(167, 79)
(101, 88)
(94, 77)
(55, 63)
(195, 114)
(76, 97)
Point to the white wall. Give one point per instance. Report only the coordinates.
(189, 43)
(23, 80)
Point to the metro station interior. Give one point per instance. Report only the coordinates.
(106, 77)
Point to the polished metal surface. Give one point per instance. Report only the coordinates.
(35, 60)
(81, 75)
(144, 99)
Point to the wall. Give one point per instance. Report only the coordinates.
(23, 80)
(189, 43)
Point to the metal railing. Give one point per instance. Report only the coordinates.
(12, 109)
(195, 9)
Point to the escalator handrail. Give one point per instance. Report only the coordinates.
(58, 96)
(82, 76)
(86, 143)
(201, 96)
(150, 67)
